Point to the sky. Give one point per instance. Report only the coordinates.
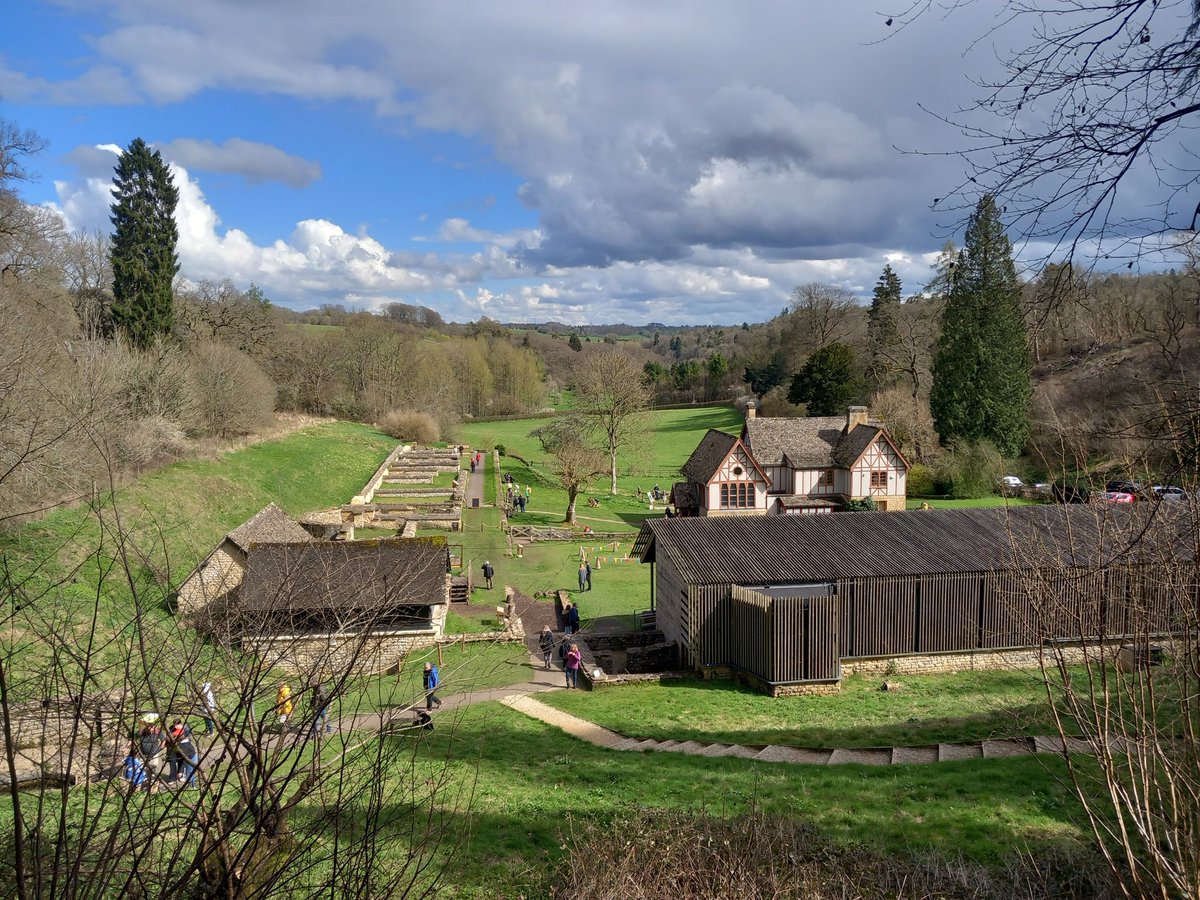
(684, 163)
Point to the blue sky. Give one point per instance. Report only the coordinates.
(673, 162)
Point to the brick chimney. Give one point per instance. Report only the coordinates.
(855, 415)
(751, 410)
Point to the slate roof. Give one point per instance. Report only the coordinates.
(345, 575)
(754, 550)
(708, 455)
(270, 525)
(809, 443)
(685, 495)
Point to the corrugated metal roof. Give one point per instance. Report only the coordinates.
(775, 549)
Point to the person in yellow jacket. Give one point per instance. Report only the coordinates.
(283, 703)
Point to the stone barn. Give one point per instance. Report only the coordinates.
(329, 605)
(219, 574)
(793, 603)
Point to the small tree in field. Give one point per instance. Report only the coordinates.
(573, 460)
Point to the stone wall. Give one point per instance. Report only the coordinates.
(213, 579)
(980, 660)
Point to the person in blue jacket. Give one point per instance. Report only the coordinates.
(430, 683)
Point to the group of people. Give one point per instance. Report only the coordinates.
(319, 698)
(568, 653)
(161, 756)
(476, 461)
(585, 576)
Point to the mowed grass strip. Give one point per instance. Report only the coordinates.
(927, 709)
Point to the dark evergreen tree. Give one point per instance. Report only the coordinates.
(765, 376)
(828, 382)
(981, 369)
(574, 343)
(881, 323)
(144, 261)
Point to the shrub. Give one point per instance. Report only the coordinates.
(866, 504)
(970, 470)
(499, 448)
(410, 425)
(675, 854)
(920, 480)
(230, 393)
(152, 441)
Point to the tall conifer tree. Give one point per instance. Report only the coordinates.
(144, 260)
(981, 369)
(881, 322)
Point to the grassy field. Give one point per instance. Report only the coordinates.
(927, 709)
(977, 503)
(533, 782)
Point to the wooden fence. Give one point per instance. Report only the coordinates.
(787, 639)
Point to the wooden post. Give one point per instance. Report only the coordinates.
(439, 646)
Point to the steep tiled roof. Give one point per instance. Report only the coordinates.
(348, 575)
(269, 526)
(808, 443)
(854, 444)
(800, 549)
(708, 455)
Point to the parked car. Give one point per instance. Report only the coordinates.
(1043, 488)
(1169, 492)
(1127, 487)
(1010, 481)
(1117, 497)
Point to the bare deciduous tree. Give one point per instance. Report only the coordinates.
(612, 395)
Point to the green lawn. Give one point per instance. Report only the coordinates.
(976, 503)
(927, 709)
(532, 782)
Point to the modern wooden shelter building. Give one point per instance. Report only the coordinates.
(791, 603)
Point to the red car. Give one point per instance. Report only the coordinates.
(1117, 497)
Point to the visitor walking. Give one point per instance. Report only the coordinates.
(572, 620)
(186, 757)
(430, 681)
(546, 644)
(571, 666)
(488, 573)
(153, 750)
(209, 700)
(582, 575)
(135, 771)
(283, 704)
(528, 492)
(588, 575)
(320, 702)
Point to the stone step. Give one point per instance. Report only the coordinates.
(800, 755)
(914, 756)
(954, 752)
(665, 745)
(740, 751)
(863, 756)
(692, 748)
(628, 744)
(1007, 747)
(713, 750)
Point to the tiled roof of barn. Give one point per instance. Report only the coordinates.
(798, 549)
(345, 574)
(271, 525)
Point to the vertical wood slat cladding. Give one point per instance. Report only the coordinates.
(784, 640)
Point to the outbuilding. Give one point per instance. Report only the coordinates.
(792, 603)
